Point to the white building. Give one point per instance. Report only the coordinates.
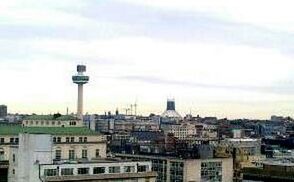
(32, 161)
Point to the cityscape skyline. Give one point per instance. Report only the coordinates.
(148, 51)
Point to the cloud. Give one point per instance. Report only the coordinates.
(276, 89)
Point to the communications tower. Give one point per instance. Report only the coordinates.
(80, 79)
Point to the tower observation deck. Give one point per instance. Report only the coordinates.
(80, 79)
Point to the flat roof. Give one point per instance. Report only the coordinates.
(101, 177)
(17, 129)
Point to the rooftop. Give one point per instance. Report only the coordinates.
(16, 129)
(51, 117)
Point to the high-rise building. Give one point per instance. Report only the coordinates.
(80, 79)
(3, 111)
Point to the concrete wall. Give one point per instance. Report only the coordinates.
(32, 151)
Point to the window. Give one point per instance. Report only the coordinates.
(97, 153)
(37, 122)
(83, 170)
(42, 122)
(67, 139)
(53, 122)
(54, 139)
(47, 122)
(50, 172)
(2, 140)
(58, 139)
(1, 154)
(72, 139)
(142, 168)
(129, 169)
(59, 123)
(73, 123)
(80, 139)
(85, 139)
(11, 140)
(98, 170)
(57, 154)
(13, 171)
(16, 140)
(71, 154)
(13, 157)
(115, 169)
(84, 154)
(66, 172)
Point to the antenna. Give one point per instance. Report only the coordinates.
(136, 105)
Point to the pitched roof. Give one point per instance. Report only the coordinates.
(50, 117)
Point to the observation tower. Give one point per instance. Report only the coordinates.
(80, 79)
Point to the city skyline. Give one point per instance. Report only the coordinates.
(149, 51)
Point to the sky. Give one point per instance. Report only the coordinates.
(224, 58)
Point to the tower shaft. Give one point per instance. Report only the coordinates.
(80, 100)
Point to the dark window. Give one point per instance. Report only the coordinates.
(54, 139)
(84, 154)
(50, 172)
(83, 170)
(115, 169)
(1, 140)
(129, 169)
(99, 170)
(67, 172)
(57, 154)
(85, 139)
(97, 154)
(80, 139)
(142, 168)
(71, 154)
(72, 139)
(58, 139)
(67, 139)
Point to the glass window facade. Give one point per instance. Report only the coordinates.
(160, 166)
(211, 171)
(176, 171)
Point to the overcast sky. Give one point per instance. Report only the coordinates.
(216, 58)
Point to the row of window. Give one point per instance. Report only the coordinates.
(72, 155)
(12, 140)
(96, 170)
(70, 139)
(43, 122)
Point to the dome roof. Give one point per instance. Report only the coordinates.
(171, 114)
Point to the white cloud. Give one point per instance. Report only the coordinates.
(268, 13)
